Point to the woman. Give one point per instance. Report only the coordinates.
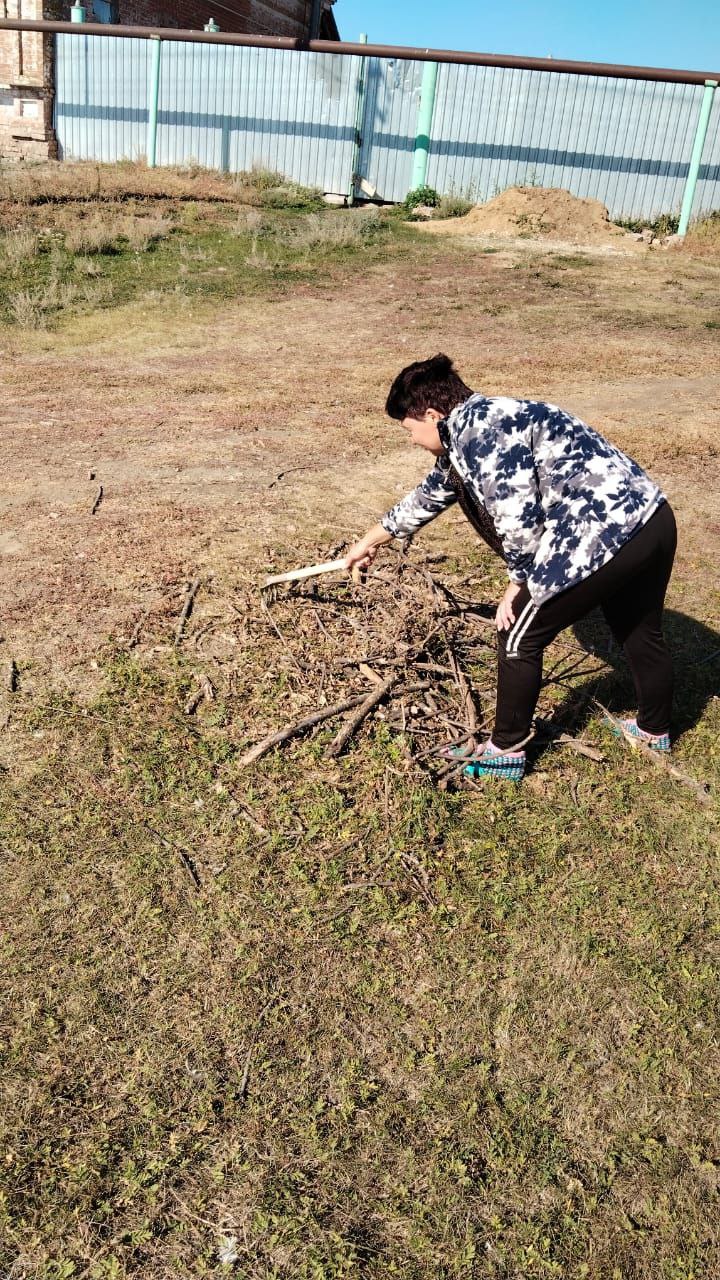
(578, 523)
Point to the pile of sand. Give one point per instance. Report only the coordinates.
(548, 213)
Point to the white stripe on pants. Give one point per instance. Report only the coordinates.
(519, 629)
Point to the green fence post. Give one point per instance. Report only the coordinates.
(359, 121)
(696, 157)
(153, 96)
(424, 125)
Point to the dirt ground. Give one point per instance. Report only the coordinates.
(546, 213)
(231, 439)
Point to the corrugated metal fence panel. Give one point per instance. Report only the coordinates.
(624, 142)
(220, 106)
(390, 124)
(101, 94)
(708, 187)
(233, 108)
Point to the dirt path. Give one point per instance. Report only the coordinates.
(229, 440)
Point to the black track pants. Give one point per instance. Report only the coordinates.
(630, 589)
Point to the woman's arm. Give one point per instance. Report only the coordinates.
(432, 496)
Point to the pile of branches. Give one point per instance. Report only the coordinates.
(406, 648)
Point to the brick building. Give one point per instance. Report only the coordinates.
(26, 57)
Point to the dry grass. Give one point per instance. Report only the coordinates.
(50, 182)
(103, 233)
(703, 238)
(19, 246)
(345, 230)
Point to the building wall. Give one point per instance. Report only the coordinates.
(26, 64)
(256, 17)
(25, 83)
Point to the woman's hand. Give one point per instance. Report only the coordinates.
(361, 554)
(505, 616)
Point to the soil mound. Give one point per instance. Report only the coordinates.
(546, 213)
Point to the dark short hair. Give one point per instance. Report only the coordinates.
(426, 384)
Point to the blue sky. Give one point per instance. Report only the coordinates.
(642, 32)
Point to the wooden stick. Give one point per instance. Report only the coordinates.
(291, 730)
(205, 692)
(309, 571)
(469, 709)
(545, 728)
(187, 608)
(658, 758)
(98, 500)
(134, 638)
(354, 721)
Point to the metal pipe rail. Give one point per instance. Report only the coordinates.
(404, 53)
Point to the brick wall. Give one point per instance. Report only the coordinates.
(26, 84)
(26, 70)
(256, 17)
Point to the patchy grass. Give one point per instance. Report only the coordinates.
(314, 1064)
(236, 252)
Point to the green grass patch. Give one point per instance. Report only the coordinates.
(114, 256)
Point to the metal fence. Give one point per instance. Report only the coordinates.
(626, 142)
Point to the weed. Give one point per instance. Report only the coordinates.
(258, 179)
(453, 206)
(421, 195)
(97, 234)
(666, 224)
(351, 229)
(27, 310)
(703, 237)
(20, 246)
(571, 260)
(258, 259)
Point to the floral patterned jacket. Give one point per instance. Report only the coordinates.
(562, 498)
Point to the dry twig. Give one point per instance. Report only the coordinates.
(187, 608)
(299, 726)
(354, 721)
(205, 692)
(659, 759)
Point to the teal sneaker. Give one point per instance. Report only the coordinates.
(492, 763)
(655, 741)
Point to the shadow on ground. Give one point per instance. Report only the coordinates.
(695, 650)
